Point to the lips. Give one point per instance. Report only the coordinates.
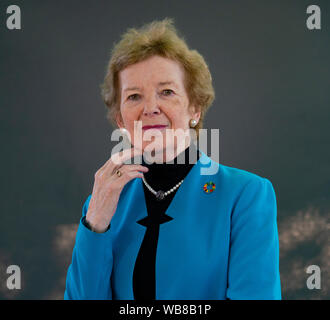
(157, 126)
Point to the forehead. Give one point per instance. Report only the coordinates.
(153, 70)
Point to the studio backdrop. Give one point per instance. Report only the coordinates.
(270, 63)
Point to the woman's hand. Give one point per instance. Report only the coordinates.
(108, 186)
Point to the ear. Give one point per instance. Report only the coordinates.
(195, 113)
(119, 120)
(197, 116)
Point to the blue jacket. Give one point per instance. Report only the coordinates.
(219, 245)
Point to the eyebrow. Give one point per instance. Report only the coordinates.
(163, 83)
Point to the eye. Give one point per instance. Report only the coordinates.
(167, 92)
(133, 97)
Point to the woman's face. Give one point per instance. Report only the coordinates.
(152, 91)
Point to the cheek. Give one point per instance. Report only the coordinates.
(179, 112)
(174, 113)
(178, 119)
(129, 115)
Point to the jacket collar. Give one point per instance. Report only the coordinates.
(184, 200)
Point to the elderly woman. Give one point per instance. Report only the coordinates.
(164, 230)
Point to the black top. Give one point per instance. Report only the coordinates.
(165, 176)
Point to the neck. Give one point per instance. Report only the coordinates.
(167, 155)
(186, 156)
(163, 176)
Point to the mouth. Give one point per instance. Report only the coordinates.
(157, 126)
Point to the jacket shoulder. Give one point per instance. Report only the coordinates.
(244, 182)
(239, 176)
(231, 178)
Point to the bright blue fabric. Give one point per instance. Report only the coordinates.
(219, 245)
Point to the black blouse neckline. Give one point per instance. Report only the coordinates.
(164, 176)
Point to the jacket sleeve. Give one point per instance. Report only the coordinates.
(88, 276)
(253, 272)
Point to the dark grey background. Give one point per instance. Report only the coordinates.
(271, 76)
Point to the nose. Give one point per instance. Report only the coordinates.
(151, 108)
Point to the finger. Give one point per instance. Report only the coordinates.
(129, 168)
(121, 181)
(119, 158)
(129, 175)
(136, 167)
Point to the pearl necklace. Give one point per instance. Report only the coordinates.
(160, 195)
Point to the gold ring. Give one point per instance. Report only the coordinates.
(118, 173)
